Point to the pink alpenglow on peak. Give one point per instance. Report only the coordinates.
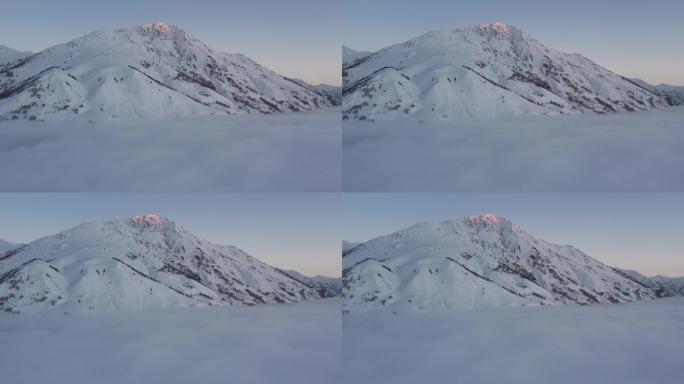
(149, 218)
(487, 218)
(501, 27)
(163, 27)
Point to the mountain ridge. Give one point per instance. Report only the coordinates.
(475, 262)
(483, 71)
(325, 285)
(135, 263)
(148, 71)
(8, 55)
(6, 246)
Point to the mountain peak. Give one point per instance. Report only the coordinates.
(148, 218)
(159, 26)
(138, 262)
(498, 26)
(147, 71)
(163, 30)
(476, 262)
(487, 218)
(483, 71)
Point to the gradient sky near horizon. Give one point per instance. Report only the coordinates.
(296, 38)
(293, 231)
(633, 38)
(644, 232)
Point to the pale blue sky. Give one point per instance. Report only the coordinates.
(296, 38)
(635, 231)
(634, 38)
(295, 231)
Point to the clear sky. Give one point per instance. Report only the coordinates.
(294, 231)
(644, 232)
(635, 38)
(296, 38)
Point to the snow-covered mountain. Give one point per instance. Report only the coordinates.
(483, 71)
(663, 286)
(674, 285)
(675, 92)
(347, 245)
(8, 55)
(6, 246)
(474, 262)
(148, 71)
(350, 55)
(135, 263)
(326, 286)
(332, 92)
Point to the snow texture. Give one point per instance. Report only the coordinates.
(332, 92)
(346, 245)
(675, 285)
(324, 285)
(8, 55)
(664, 286)
(137, 263)
(617, 343)
(6, 246)
(676, 92)
(480, 72)
(350, 55)
(636, 152)
(290, 152)
(288, 344)
(149, 71)
(476, 262)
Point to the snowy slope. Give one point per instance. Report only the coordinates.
(483, 71)
(350, 55)
(8, 55)
(332, 92)
(676, 92)
(663, 286)
(347, 245)
(675, 285)
(474, 262)
(6, 246)
(136, 263)
(326, 286)
(148, 71)
(654, 285)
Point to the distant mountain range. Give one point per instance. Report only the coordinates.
(326, 286)
(479, 262)
(663, 286)
(148, 71)
(137, 263)
(486, 71)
